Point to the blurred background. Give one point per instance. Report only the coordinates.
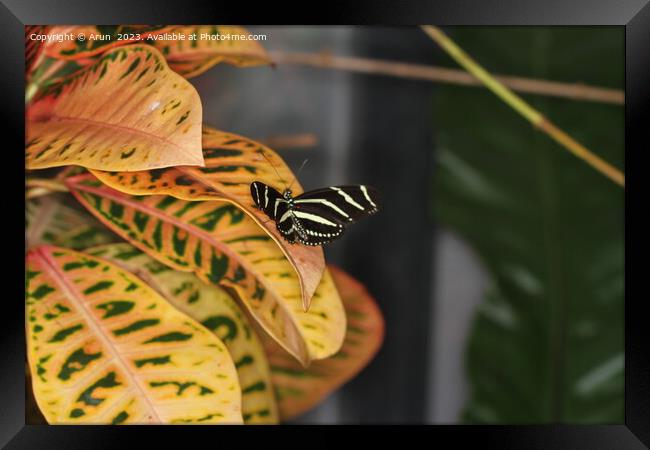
(497, 259)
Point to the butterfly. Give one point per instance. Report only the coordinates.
(316, 217)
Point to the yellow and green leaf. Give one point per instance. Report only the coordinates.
(103, 347)
(105, 38)
(299, 389)
(224, 246)
(192, 57)
(127, 111)
(232, 162)
(216, 310)
(53, 220)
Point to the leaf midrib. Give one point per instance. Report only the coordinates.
(266, 226)
(547, 180)
(110, 126)
(203, 235)
(77, 298)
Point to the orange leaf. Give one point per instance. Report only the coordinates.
(213, 44)
(33, 47)
(104, 347)
(222, 245)
(299, 389)
(232, 162)
(106, 37)
(127, 111)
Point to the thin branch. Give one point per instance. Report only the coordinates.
(51, 184)
(523, 108)
(291, 141)
(38, 187)
(37, 192)
(574, 91)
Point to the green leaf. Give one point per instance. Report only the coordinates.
(547, 341)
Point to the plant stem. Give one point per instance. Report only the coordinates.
(522, 107)
(37, 192)
(573, 91)
(40, 186)
(53, 185)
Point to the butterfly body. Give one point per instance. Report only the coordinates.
(316, 217)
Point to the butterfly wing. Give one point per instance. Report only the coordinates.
(322, 214)
(266, 198)
(285, 223)
(316, 217)
(315, 228)
(344, 204)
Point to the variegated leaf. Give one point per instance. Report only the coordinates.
(127, 111)
(51, 71)
(232, 162)
(299, 389)
(52, 220)
(33, 47)
(33, 415)
(216, 310)
(224, 246)
(103, 347)
(105, 38)
(213, 44)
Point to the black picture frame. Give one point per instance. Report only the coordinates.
(634, 15)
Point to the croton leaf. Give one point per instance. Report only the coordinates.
(216, 310)
(103, 347)
(33, 47)
(60, 59)
(224, 246)
(298, 389)
(97, 39)
(231, 163)
(53, 220)
(127, 111)
(50, 71)
(212, 44)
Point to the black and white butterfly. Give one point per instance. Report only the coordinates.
(315, 217)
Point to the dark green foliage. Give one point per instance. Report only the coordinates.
(547, 342)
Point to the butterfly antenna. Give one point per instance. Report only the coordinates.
(274, 168)
(298, 173)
